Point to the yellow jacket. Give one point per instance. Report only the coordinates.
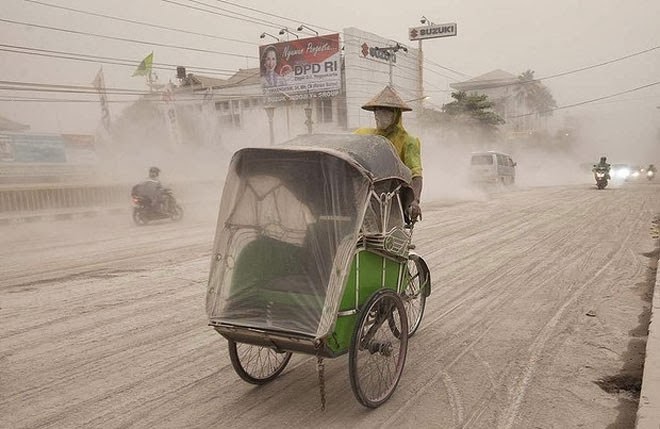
(407, 146)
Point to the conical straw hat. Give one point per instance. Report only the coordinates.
(388, 97)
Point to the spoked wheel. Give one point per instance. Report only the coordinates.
(377, 352)
(257, 364)
(414, 295)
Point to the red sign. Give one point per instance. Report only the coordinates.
(301, 68)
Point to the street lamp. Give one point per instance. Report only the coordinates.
(264, 34)
(301, 26)
(425, 20)
(286, 30)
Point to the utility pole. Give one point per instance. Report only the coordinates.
(390, 51)
(430, 30)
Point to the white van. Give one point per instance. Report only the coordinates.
(492, 167)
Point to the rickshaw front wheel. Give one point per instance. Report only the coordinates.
(257, 364)
(415, 293)
(377, 353)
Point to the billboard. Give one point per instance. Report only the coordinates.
(47, 148)
(301, 68)
(33, 148)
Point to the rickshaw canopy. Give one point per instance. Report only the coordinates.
(289, 220)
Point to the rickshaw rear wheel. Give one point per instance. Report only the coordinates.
(257, 364)
(414, 294)
(377, 355)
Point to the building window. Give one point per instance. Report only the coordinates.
(222, 106)
(230, 120)
(324, 110)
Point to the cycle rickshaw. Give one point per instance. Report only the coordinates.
(312, 254)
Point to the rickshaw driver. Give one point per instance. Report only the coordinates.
(388, 107)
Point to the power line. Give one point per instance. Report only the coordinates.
(625, 57)
(122, 39)
(147, 24)
(446, 68)
(526, 82)
(103, 60)
(248, 19)
(589, 101)
(277, 16)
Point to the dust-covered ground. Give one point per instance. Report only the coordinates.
(537, 319)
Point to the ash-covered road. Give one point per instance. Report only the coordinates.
(537, 318)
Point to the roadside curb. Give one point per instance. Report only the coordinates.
(648, 411)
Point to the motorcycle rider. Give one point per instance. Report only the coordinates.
(602, 165)
(151, 189)
(388, 107)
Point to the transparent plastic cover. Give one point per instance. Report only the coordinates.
(287, 231)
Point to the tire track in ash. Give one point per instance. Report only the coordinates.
(33, 278)
(496, 302)
(480, 324)
(583, 263)
(550, 238)
(509, 416)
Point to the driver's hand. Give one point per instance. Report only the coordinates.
(414, 211)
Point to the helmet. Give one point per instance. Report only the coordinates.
(387, 98)
(154, 172)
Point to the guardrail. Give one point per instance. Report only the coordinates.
(41, 197)
(21, 198)
(16, 173)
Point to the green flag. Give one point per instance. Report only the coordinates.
(145, 66)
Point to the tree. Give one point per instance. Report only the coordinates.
(532, 94)
(473, 110)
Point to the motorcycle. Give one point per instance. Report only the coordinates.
(650, 175)
(143, 211)
(601, 176)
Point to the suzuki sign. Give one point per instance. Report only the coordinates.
(432, 31)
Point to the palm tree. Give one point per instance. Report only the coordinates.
(533, 95)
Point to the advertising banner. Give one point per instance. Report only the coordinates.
(47, 148)
(33, 148)
(80, 148)
(301, 68)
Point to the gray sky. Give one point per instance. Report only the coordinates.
(547, 36)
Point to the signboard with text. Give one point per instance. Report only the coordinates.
(432, 31)
(301, 68)
(37, 148)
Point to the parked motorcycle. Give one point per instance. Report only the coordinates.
(601, 176)
(143, 211)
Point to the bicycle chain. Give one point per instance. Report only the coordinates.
(320, 369)
(320, 366)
